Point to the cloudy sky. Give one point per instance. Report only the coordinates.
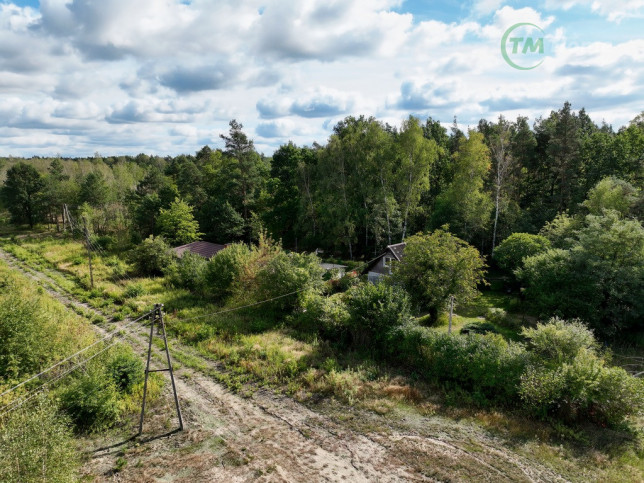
(166, 76)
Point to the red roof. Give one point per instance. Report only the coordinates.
(203, 248)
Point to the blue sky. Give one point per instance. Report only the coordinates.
(166, 76)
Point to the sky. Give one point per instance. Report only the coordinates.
(165, 77)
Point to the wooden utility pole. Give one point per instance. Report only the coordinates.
(451, 311)
(89, 253)
(157, 317)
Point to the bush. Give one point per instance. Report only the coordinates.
(327, 316)
(559, 341)
(37, 445)
(486, 366)
(134, 290)
(105, 242)
(91, 401)
(125, 369)
(374, 310)
(152, 257)
(189, 272)
(568, 379)
(496, 315)
(225, 268)
(286, 273)
(511, 252)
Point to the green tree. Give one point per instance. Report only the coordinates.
(518, 246)
(416, 155)
(599, 279)
(611, 194)
(437, 266)
(94, 190)
(465, 205)
(178, 224)
(22, 193)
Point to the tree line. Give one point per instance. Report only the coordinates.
(372, 184)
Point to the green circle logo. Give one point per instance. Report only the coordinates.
(522, 46)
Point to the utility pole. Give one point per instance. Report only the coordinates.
(157, 317)
(451, 311)
(89, 253)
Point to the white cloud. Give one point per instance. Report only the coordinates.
(612, 10)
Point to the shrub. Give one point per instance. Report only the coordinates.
(327, 316)
(374, 310)
(486, 366)
(91, 401)
(152, 257)
(125, 369)
(559, 341)
(225, 268)
(496, 315)
(104, 242)
(286, 273)
(37, 445)
(189, 272)
(511, 252)
(568, 379)
(134, 290)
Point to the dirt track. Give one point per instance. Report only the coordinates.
(269, 437)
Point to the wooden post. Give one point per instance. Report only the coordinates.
(89, 253)
(451, 311)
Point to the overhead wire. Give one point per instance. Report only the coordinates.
(72, 356)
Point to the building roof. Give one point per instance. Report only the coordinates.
(203, 248)
(331, 266)
(397, 250)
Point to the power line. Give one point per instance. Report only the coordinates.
(16, 404)
(72, 356)
(241, 307)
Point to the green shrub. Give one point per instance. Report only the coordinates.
(37, 445)
(486, 366)
(327, 316)
(374, 310)
(152, 257)
(511, 252)
(496, 315)
(104, 242)
(189, 272)
(568, 379)
(134, 290)
(286, 273)
(225, 268)
(125, 368)
(559, 341)
(91, 401)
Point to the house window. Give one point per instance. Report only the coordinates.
(387, 263)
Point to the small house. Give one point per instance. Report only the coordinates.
(381, 266)
(202, 248)
(340, 269)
